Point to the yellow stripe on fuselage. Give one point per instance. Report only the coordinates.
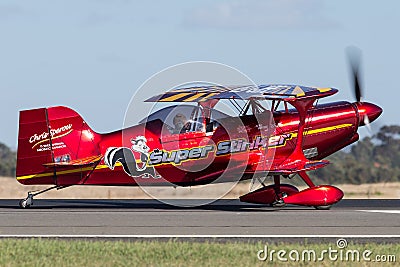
(325, 129)
(98, 167)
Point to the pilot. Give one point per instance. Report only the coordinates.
(181, 124)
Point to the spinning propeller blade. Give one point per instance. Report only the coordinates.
(354, 59)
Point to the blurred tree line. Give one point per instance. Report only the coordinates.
(7, 161)
(370, 160)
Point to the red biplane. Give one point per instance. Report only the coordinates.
(193, 143)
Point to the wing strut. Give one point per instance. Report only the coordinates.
(297, 161)
(302, 107)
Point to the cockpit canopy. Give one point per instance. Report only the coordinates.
(187, 118)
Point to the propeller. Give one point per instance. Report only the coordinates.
(354, 58)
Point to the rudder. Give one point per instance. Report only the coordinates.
(50, 136)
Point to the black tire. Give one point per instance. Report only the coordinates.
(327, 207)
(23, 204)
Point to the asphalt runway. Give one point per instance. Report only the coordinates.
(223, 218)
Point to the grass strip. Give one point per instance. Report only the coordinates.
(60, 252)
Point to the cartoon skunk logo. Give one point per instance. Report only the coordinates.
(127, 158)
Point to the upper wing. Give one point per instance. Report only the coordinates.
(270, 92)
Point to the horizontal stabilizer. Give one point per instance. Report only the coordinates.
(77, 162)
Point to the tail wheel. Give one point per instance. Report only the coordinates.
(24, 203)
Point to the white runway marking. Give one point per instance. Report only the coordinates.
(383, 211)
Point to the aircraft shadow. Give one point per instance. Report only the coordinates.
(233, 205)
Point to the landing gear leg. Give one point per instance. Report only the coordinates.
(306, 178)
(277, 187)
(308, 181)
(28, 201)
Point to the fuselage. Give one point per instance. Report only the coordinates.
(238, 147)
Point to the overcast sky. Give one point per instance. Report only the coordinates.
(93, 55)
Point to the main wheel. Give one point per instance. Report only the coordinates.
(278, 203)
(327, 207)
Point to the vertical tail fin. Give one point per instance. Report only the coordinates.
(50, 136)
